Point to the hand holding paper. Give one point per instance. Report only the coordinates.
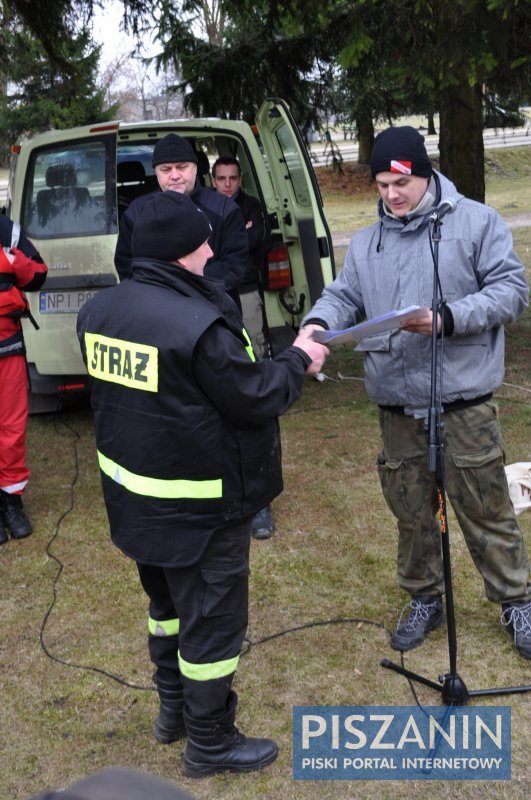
(422, 325)
(413, 318)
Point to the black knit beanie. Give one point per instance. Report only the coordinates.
(400, 150)
(168, 227)
(173, 149)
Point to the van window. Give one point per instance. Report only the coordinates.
(137, 153)
(70, 191)
(294, 165)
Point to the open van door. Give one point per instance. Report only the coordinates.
(305, 257)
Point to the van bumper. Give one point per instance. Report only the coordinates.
(57, 384)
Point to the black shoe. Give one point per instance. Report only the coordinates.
(263, 524)
(517, 619)
(236, 753)
(169, 725)
(3, 534)
(14, 516)
(426, 613)
(216, 745)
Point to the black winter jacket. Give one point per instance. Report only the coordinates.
(178, 401)
(251, 209)
(228, 240)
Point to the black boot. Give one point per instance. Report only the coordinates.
(169, 725)
(263, 524)
(14, 516)
(216, 745)
(3, 534)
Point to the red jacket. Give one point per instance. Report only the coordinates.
(27, 272)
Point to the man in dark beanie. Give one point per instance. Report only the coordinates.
(175, 163)
(389, 266)
(188, 446)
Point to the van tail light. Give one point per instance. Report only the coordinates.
(72, 387)
(278, 269)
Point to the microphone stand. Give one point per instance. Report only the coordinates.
(451, 686)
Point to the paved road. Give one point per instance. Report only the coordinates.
(492, 139)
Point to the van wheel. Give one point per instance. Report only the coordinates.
(43, 403)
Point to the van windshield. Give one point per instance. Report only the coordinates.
(70, 190)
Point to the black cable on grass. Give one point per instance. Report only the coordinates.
(75, 436)
(248, 644)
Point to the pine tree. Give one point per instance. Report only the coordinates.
(41, 93)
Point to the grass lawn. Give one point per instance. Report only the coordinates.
(84, 699)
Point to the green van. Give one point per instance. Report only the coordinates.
(68, 189)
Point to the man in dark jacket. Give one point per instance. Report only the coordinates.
(227, 180)
(189, 449)
(175, 164)
(21, 268)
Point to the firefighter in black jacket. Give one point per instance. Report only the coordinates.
(188, 446)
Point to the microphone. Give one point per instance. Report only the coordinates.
(446, 206)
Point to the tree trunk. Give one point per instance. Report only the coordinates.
(365, 128)
(431, 124)
(461, 138)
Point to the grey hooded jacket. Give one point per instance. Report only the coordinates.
(389, 266)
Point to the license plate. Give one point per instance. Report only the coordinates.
(67, 302)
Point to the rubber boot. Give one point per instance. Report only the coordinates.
(169, 726)
(3, 534)
(263, 524)
(14, 516)
(216, 745)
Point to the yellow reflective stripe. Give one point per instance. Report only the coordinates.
(128, 363)
(163, 627)
(208, 672)
(156, 487)
(249, 347)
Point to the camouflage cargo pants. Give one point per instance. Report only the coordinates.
(476, 487)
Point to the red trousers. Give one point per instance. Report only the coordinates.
(14, 472)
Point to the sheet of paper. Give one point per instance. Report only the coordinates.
(386, 322)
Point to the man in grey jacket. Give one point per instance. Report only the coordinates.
(389, 266)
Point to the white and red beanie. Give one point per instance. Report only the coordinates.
(400, 150)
